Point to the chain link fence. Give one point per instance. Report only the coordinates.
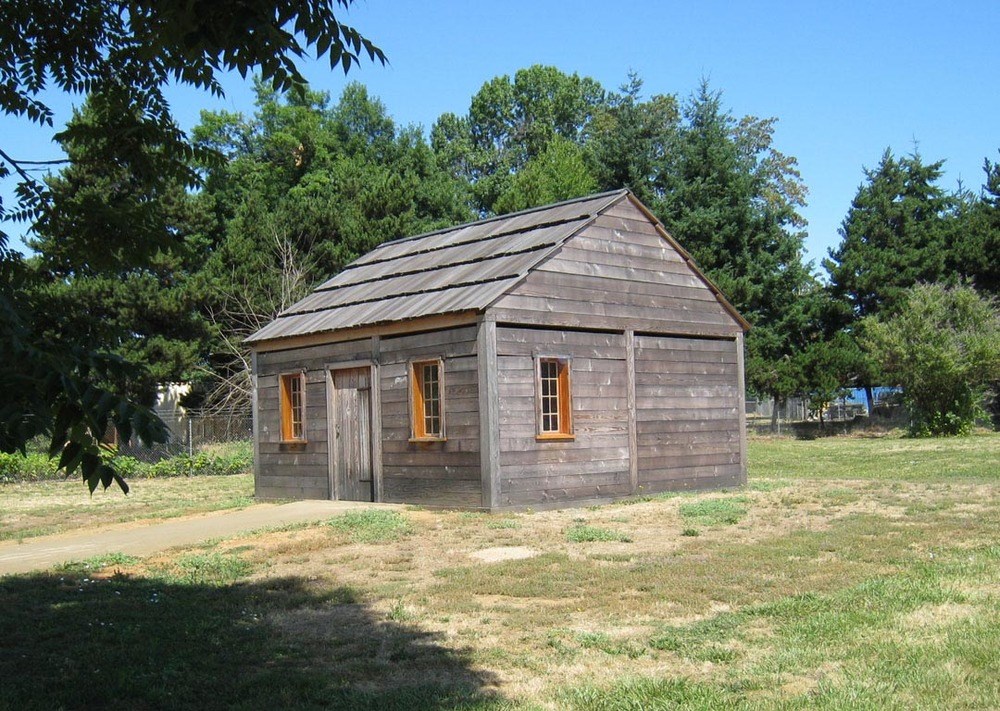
(842, 416)
(190, 434)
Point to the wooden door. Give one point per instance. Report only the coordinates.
(351, 435)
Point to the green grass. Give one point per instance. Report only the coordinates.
(934, 459)
(582, 533)
(715, 512)
(372, 526)
(501, 524)
(209, 569)
(29, 509)
(883, 635)
(204, 642)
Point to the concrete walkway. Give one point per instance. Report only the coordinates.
(143, 539)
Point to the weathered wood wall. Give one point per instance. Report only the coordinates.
(650, 413)
(687, 413)
(619, 273)
(300, 470)
(432, 473)
(595, 464)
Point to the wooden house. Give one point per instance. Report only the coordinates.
(567, 354)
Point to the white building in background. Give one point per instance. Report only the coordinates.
(168, 408)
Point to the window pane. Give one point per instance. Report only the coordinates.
(292, 407)
(553, 395)
(427, 399)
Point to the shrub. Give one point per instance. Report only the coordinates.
(233, 459)
(944, 349)
(31, 467)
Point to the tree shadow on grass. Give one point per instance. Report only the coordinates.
(69, 640)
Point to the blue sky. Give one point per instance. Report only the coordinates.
(846, 80)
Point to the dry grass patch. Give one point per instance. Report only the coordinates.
(824, 593)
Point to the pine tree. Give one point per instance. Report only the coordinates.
(975, 237)
(894, 236)
(85, 278)
(731, 199)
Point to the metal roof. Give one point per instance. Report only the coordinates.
(464, 268)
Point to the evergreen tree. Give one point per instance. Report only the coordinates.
(975, 237)
(85, 278)
(123, 52)
(732, 200)
(559, 172)
(629, 140)
(307, 188)
(894, 236)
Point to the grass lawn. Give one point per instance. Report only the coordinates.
(851, 573)
(41, 508)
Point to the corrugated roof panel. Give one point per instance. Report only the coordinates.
(460, 269)
(583, 208)
(398, 308)
(477, 272)
(442, 258)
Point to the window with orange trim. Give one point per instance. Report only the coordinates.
(555, 404)
(427, 400)
(293, 407)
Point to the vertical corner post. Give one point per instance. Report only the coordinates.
(741, 403)
(489, 412)
(633, 436)
(255, 419)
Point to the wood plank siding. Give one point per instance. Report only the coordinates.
(688, 407)
(444, 473)
(618, 273)
(298, 470)
(595, 463)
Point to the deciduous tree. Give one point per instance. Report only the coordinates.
(122, 53)
(943, 347)
(510, 122)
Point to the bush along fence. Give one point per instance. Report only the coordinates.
(215, 460)
(211, 447)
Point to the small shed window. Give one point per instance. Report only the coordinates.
(555, 410)
(293, 407)
(427, 399)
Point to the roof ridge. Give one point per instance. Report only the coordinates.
(506, 215)
(476, 240)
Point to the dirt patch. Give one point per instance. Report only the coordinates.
(502, 553)
(803, 684)
(933, 616)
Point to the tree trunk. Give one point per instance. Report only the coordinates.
(870, 397)
(774, 415)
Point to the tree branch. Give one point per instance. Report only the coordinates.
(16, 165)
